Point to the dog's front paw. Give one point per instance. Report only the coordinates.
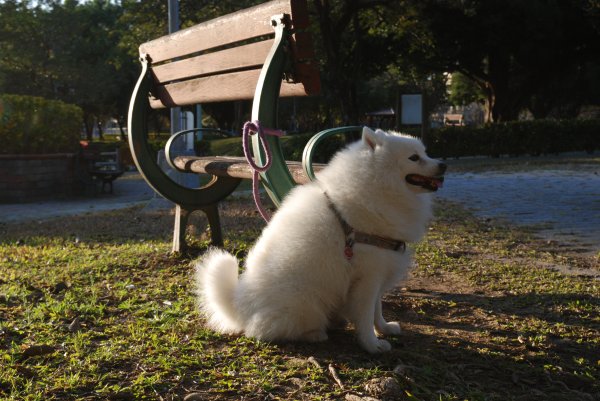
(377, 346)
(390, 329)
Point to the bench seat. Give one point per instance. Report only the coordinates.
(235, 167)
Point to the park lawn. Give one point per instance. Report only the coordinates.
(94, 307)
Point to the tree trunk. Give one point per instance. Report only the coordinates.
(100, 130)
(89, 127)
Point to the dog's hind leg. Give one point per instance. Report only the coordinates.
(277, 324)
(383, 327)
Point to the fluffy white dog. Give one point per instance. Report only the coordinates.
(331, 250)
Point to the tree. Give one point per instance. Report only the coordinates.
(512, 49)
(23, 50)
(463, 91)
(66, 51)
(352, 49)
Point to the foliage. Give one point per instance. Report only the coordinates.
(463, 90)
(292, 147)
(67, 51)
(36, 125)
(352, 48)
(516, 138)
(515, 50)
(540, 55)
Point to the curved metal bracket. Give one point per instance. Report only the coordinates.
(311, 145)
(174, 137)
(145, 159)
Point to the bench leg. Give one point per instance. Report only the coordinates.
(106, 183)
(214, 221)
(181, 219)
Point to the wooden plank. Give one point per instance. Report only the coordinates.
(236, 167)
(218, 88)
(252, 55)
(248, 23)
(242, 57)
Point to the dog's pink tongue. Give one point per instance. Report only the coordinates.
(439, 183)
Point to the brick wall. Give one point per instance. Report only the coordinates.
(28, 178)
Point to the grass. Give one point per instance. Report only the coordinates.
(93, 307)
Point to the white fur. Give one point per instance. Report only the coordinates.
(297, 279)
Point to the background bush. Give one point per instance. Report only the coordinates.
(514, 138)
(36, 125)
(292, 147)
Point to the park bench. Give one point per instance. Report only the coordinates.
(454, 119)
(102, 166)
(260, 53)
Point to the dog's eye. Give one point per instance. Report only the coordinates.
(414, 157)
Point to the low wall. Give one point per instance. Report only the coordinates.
(28, 178)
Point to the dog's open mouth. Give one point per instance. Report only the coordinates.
(429, 183)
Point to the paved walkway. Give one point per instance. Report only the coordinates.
(129, 190)
(564, 204)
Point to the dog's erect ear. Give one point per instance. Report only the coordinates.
(372, 138)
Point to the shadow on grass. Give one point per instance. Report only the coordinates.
(476, 347)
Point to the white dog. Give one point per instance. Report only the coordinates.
(331, 250)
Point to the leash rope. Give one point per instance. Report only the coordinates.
(251, 128)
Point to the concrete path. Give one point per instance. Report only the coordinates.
(564, 204)
(128, 190)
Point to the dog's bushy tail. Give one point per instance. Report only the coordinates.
(216, 277)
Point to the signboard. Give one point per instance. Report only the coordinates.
(412, 109)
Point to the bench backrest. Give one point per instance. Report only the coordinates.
(453, 119)
(221, 59)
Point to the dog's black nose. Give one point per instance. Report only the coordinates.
(442, 167)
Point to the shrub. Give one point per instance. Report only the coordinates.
(36, 125)
(516, 138)
(292, 147)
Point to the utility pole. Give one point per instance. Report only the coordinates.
(174, 27)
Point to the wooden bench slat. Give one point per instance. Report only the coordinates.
(236, 167)
(234, 86)
(192, 66)
(244, 57)
(231, 28)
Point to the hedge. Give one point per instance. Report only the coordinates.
(514, 138)
(31, 125)
(292, 147)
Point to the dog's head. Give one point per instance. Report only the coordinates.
(405, 155)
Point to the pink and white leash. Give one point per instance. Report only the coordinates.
(251, 128)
